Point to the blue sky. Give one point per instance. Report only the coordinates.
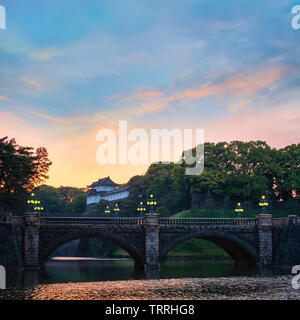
(70, 68)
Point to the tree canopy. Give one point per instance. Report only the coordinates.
(21, 169)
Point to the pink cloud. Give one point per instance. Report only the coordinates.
(143, 96)
(236, 107)
(235, 86)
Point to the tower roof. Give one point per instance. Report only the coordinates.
(103, 182)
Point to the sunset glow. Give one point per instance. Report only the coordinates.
(186, 65)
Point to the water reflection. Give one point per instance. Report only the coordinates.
(93, 270)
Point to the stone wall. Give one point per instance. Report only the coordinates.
(287, 245)
(11, 244)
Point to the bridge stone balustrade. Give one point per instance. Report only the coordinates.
(148, 239)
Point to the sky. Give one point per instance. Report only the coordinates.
(71, 68)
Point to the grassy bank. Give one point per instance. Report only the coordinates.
(226, 213)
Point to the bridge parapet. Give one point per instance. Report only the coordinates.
(208, 221)
(278, 222)
(91, 221)
(281, 222)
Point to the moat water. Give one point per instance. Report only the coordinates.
(68, 269)
(89, 278)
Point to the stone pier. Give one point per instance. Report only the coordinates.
(151, 241)
(31, 240)
(265, 239)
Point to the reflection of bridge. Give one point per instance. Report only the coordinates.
(149, 239)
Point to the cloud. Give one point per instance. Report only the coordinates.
(236, 107)
(33, 83)
(46, 54)
(151, 107)
(234, 86)
(143, 96)
(243, 84)
(62, 120)
(3, 98)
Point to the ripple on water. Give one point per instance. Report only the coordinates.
(272, 288)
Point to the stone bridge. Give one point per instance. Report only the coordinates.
(149, 239)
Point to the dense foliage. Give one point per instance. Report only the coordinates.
(62, 201)
(235, 171)
(21, 169)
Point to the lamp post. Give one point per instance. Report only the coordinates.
(239, 209)
(152, 203)
(263, 203)
(141, 208)
(34, 205)
(107, 210)
(116, 209)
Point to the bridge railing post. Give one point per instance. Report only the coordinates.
(265, 239)
(151, 240)
(292, 219)
(31, 240)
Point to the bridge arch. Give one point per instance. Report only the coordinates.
(241, 251)
(48, 246)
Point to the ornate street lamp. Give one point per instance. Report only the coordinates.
(34, 205)
(107, 210)
(239, 209)
(141, 208)
(263, 203)
(116, 209)
(152, 203)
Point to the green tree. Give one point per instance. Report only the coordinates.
(78, 203)
(287, 177)
(98, 209)
(21, 169)
(51, 200)
(68, 193)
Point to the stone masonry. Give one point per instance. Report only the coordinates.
(148, 239)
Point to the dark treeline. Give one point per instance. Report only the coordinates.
(235, 171)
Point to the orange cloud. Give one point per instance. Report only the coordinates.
(238, 85)
(4, 98)
(63, 120)
(235, 86)
(143, 96)
(151, 107)
(242, 84)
